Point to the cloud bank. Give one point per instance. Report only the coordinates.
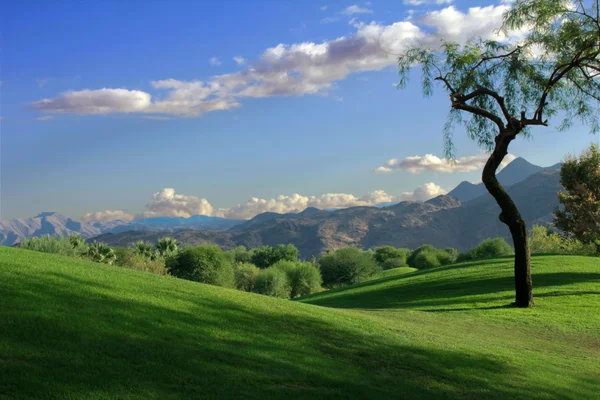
(298, 69)
(431, 163)
(167, 203)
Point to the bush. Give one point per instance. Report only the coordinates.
(427, 259)
(273, 282)
(240, 255)
(413, 255)
(303, 278)
(347, 266)
(491, 248)
(204, 263)
(129, 259)
(543, 241)
(245, 276)
(392, 263)
(50, 244)
(453, 253)
(265, 256)
(384, 253)
(101, 253)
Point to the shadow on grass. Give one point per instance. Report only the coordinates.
(414, 290)
(68, 339)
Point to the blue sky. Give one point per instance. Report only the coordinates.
(243, 133)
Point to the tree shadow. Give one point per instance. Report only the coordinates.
(455, 289)
(72, 338)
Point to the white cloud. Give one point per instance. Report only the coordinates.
(46, 118)
(41, 82)
(328, 20)
(157, 117)
(105, 216)
(354, 9)
(323, 8)
(287, 69)
(102, 101)
(239, 60)
(215, 61)
(167, 203)
(431, 163)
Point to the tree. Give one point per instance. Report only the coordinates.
(101, 253)
(167, 246)
(347, 266)
(384, 253)
(144, 249)
(205, 263)
(580, 216)
(265, 256)
(505, 88)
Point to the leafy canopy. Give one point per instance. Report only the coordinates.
(520, 79)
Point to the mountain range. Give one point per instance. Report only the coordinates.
(460, 219)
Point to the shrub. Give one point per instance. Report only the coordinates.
(347, 266)
(50, 244)
(543, 241)
(204, 263)
(384, 253)
(491, 248)
(413, 255)
(265, 256)
(273, 282)
(240, 255)
(128, 258)
(101, 253)
(245, 276)
(303, 277)
(427, 259)
(453, 253)
(392, 263)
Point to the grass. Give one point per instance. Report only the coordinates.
(71, 329)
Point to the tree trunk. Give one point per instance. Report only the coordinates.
(512, 218)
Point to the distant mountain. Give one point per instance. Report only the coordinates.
(517, 171)
(54, 224)
(443, 221)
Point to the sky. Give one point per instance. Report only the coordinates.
(135, 109)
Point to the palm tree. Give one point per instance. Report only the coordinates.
(144, 249)
(167, 246)
(101, 253)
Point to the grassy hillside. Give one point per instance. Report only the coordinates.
(71, 329)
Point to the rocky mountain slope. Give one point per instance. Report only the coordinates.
(443, 222)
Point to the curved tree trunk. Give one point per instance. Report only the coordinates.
(512, 218)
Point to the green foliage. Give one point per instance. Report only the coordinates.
(303, 278)
(50, 244)
(144, 249)
(265, 256)
(392, 263)
(204, 263)
(543, 241)
(512, 85)
(426, 259)
(489, 248)
(128, 258)
(240, 255)
(78, 242)
(245, 276)
(273, 282)
(579, 217)
(101, 253)
(452, 253)
(347, 266)
(411, 260)
(166, 247)
(384, 253)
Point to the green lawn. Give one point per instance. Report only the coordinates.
(70, 329)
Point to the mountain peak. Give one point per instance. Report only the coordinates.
(46, 214)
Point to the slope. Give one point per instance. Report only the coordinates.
(77, 330)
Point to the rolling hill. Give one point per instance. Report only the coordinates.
(78, 330)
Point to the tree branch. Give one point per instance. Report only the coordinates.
(479, 111)
(484, 91)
